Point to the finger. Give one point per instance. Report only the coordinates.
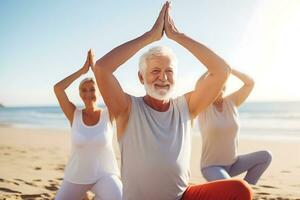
(172, 21)
(93, 55)
(92, 51)
(163, 9)
(162, 12)
(92, 61)
(167, 11)
(92, 58)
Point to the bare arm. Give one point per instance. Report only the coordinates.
(59, 88)
(241, 95)
(206, 89)
(117, 101)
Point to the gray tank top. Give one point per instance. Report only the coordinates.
(155, 151)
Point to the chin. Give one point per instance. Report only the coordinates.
(162, 96)
(89, 101)
(159, 94)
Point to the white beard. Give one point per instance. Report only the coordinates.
(159, 94)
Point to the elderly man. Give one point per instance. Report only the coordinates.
(153, 131)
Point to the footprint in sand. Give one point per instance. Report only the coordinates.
(9, 190)
(285, 171)
(44, 196)
(37, 168)
(255, 188)
(60, 167)
(30, 196)
(52, 187)
(263, 193)
(268, 186)
(27, 183)
(7, 181)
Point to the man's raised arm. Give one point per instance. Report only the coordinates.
(114, 97)
(207, 89)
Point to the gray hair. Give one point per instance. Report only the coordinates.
(88, 79)
(157, 51)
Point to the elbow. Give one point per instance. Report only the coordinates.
(225, 72)
(56, 88)
(251, 82)
(97, 67)
(100, 68)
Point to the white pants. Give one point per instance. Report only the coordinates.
(106, 188)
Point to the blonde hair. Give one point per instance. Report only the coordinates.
(157, 51)
(88, 79)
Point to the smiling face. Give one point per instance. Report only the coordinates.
(157, 72)
(158, 77)
(88, 92)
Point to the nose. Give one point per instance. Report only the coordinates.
(163, 76)
(89, 94)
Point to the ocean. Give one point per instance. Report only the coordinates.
(277, 120)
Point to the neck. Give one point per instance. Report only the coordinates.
(158, 105)
(90, 108)
(218, 101)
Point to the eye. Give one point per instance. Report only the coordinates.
(169, 71)
(156, 71)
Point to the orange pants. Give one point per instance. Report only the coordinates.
(219, 190)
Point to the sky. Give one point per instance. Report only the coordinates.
(42, 42)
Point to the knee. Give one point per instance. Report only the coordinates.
(267, 156)
(242, 190)
(117, 195)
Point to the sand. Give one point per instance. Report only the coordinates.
(32, 163)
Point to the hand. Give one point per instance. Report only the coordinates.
(169, 26)
(157, 31)
(90, 62)
(92, 58)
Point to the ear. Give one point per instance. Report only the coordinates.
(141, 77)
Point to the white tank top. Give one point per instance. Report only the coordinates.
(92, 155)
(219, 132)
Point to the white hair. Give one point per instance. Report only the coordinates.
(88, 79)
(157, 51)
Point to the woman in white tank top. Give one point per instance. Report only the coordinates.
(219, 126)
(92, 164)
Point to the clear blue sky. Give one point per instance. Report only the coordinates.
(42, 42)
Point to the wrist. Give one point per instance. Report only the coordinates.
(148, 37)
(177, 36)
(81, 71)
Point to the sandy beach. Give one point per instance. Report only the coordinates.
(32, 163)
